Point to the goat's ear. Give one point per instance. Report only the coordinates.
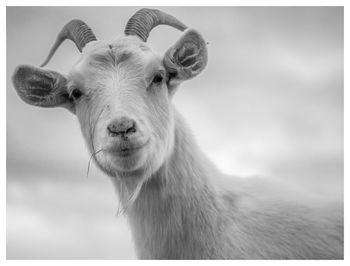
(186, 58)
(41, 87)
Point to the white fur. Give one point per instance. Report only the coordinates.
(178, 204)
(184, 212)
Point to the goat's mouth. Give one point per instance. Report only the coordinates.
(126, 148)
(125, 156)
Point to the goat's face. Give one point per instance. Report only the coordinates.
(121, 94)
(123, 104)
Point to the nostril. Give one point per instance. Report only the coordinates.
(122, 126)
(131, 129)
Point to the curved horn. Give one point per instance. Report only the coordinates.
(144, 20)
(75, 30)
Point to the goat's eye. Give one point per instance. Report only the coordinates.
(76, 93)
(158, 78)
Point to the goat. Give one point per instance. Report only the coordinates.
(178, 204)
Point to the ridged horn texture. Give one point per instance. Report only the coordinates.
(75, 30)
(144, 20)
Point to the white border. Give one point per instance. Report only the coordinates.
(3, 260)
(175, 3)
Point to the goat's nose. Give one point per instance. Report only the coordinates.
(123, 126)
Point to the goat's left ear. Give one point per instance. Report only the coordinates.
(186, 58)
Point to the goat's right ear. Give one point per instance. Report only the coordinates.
(41, 87)
(186, 58)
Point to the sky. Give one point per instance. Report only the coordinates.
(269, 103)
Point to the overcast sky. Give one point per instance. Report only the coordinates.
(270, 103)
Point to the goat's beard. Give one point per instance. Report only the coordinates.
(128, 182)
(129, 174)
